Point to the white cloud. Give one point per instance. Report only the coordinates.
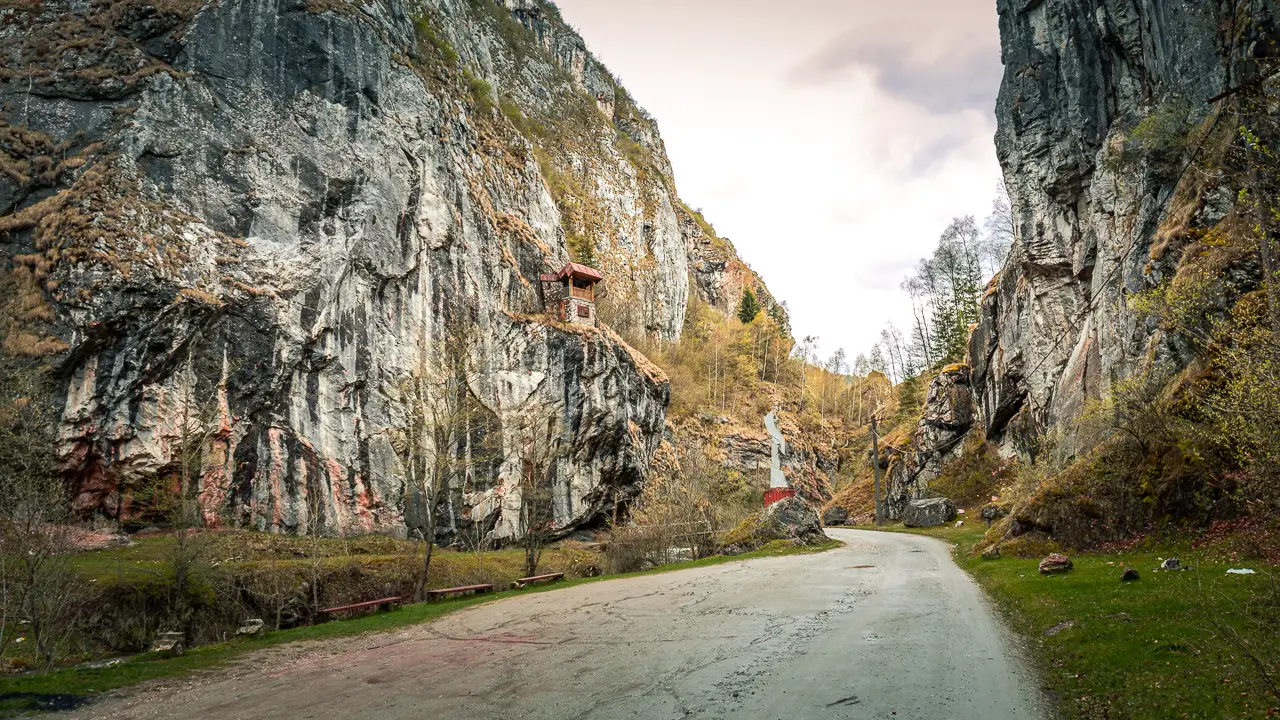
(832, 141)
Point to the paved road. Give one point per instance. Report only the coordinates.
(817, 636)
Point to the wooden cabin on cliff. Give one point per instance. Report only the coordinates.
(570, 295)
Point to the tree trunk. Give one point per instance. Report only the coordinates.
(428, 548)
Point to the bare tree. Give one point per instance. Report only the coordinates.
(540, 454)
(999, 227)
(175, 494)
(442, 436)
(804, 352)
(39, 590)
(313, 527)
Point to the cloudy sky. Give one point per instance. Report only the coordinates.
(831, 140)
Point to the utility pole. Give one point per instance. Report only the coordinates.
(875, 465)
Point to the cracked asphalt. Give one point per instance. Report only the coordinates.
(885, 627)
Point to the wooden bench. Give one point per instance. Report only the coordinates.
(526, 582)
(383, 604)
(434, 595)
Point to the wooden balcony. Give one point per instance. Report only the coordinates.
(582, 293)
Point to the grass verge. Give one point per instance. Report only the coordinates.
(72, 687)
(1154, 648)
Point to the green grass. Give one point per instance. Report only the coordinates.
(68, 687)
(1149, 649)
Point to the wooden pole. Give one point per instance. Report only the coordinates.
(875, 465)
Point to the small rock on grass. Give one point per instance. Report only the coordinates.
(1130, 575)
(1055, 563)
(1064, 625)
(991, 553)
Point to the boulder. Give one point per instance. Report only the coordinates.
(790, 519)
(796, 519)
(1130, 575)
(929, 513)
(835, 516)
(991, 553)
(1171, 564)
(252, 628)
(1055, 563)
(993, 512)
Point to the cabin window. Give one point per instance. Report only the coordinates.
(584, 311)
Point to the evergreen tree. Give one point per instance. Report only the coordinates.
(748, 307)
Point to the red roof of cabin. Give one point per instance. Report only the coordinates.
(576, 270)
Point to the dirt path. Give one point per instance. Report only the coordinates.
(816, 636)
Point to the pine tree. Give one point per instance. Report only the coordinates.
(748, 307)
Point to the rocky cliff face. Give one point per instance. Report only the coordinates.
(1096, 100)
(269, 214)
(718, 275)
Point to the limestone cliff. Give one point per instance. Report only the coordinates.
(1098, 101)
(285, 208)
(1107, 118)
(718, 275)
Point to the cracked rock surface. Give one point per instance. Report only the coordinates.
(886, 624)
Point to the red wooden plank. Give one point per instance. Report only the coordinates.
(358, 606)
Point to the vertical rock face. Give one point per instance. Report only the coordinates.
(266, 215)
(1089, 193)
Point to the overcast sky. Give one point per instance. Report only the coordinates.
(831, 140)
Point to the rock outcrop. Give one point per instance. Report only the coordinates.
(790, 519)
(1094, 113)
(808, 461)
(939, 438)
(253, 222)
(719, 276)
(928, 513)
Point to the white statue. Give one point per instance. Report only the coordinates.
(778, 447)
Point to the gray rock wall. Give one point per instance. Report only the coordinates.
(1088, 195)
(279, 210)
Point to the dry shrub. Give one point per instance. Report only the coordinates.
(40, 589)
(858, 498)
(674, 518)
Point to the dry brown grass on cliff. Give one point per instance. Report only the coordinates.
(857, 498)
(86, 51)
(25, 316)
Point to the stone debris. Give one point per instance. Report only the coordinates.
(1172, 564)
(1241, 571)
(991, 553)
(172, 642)
(1065, 624)
(993, 512)
(1056, 563)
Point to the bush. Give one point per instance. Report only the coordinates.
(971, 480)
